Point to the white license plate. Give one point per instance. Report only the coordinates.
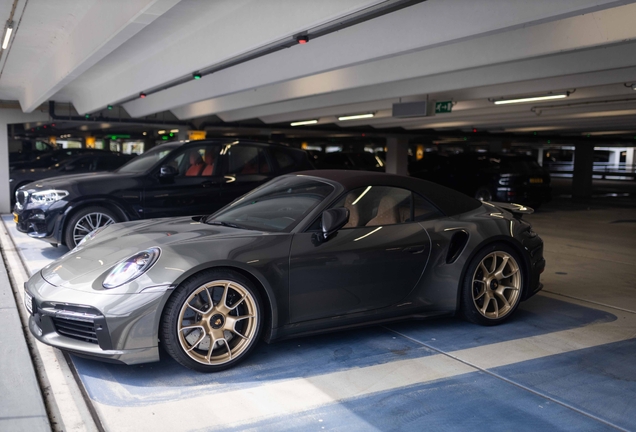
(28, 302)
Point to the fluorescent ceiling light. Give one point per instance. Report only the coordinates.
(304, 122)
(531, 99)
(7, 35)
(174, 130)
(355, 117)
(161, 132)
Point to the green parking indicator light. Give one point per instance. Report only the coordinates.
(171, 134)
(110, 107)
(165, 138)
(87, 116)
(196, 76)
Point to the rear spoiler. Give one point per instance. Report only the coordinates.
(515, 209)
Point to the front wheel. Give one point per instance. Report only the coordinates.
(212, 321)
(86, 221)
(493, 285)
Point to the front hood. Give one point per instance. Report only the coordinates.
(68, 181)
(120, 241)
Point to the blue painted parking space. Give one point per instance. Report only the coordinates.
(474, 401)
(301, 358)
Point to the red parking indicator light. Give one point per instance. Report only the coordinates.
(302, 39)
(142, 95)
(474, 130)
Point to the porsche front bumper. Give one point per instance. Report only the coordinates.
(121, 328)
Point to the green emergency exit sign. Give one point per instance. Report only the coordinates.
(443, 107)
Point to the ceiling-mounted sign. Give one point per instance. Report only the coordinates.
(443, 107)
(195, 135)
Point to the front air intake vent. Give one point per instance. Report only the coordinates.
(80, 330)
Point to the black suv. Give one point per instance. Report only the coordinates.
(488, 176)
(81, 163)
(172, 179)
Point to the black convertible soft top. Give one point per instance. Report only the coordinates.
(449, 201)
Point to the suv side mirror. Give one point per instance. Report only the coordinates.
(168, 171)
(333, 220)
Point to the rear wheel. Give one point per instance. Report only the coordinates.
(85, 221)
(493, 285)
(213, 321)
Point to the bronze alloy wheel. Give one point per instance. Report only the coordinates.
(496, 285)
(218, 322)
(212, 320)
(493, 285)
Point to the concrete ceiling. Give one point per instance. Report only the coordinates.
(97, 53)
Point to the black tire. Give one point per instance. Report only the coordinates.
(483, 194)
(186, 331)
(474, 294)
(72, 232)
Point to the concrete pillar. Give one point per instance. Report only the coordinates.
(583, 169)
(540, 156)
(629, 159)
(495, 147)
(5, 190)
(614, 158)
(182, 135)
(397, 156)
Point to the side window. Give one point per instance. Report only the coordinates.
(423, 209)
(283, 159)
(196, 161)
(243, 159)
(377, 205)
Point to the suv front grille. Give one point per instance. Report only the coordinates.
(80, 330)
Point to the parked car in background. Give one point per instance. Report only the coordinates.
(172, 179)
(78, 164)
(29, 149)
(48, 158)
(488, 176)
(364, 161)
(306, 253)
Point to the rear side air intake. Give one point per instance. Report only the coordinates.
(457, 244)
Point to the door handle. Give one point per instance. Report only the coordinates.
(415, 249)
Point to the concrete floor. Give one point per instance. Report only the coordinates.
(564, 362)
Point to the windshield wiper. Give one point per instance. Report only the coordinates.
(226, 224)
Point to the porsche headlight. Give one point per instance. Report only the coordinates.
(131, 268)
(48, 196)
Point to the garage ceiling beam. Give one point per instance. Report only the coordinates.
(333, 88)
(423, 26)
(106, 26)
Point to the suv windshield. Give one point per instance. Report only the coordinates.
(147, 160)
(276, 206)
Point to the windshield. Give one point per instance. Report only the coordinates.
(276, 206)
(147, 160)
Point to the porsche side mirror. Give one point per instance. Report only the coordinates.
(168, 171)
(333, 220)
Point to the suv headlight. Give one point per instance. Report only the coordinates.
(131, 268)
(48, 196)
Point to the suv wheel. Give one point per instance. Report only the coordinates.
(86, 221)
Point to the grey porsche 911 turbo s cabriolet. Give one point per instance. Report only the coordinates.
(304, 253)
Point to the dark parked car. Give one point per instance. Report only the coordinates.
(306, 253)
(172, 179)
(78, 164)
(488, 177)
(364, 161)
(48, 158)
